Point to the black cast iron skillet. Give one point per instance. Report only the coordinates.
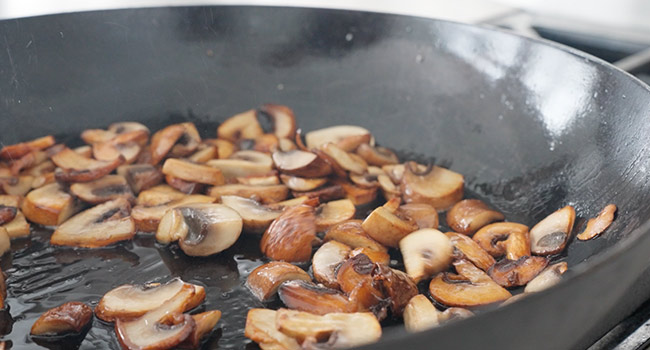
(534, 126)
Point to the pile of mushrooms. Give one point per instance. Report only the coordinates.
(329, 265)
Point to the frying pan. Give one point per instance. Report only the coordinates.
(532, 125)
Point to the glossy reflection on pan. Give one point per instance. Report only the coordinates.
(533, 127)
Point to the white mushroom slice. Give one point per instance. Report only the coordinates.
(262, 329)
(265, 280)
(547, 278)
(18, 186)
(420, 314)
(260, 180)
(426, 252)
(211, 228)
(74, 167)
(377, 155)
(395, 172)
(550, 235)
(204, 154)
(469, 215)
(243, 163)
(439, 187)
(99, 226)
(284, 121)
(264, 194)
(301, 163)
(161, 328)
(327, 260)
(348, 137)
(192, 172)
(147, 218)
(334, 212)
(256, 216)
(140, 176)
(599, 224)
(225, 148)
(240, 126)
(107, 188)
(388, 188)
(345, 160)
(5, 242)
(387, 228)
(302, 184)
(157, 195)
(49, 205)
(338, 330)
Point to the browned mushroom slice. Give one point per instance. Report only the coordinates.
(107, 188)
(18, 227)
(42, 180)
(208, 228)
(301, 163)
(358, 195)
(261, 328)
(345, 160)
(204, 153)
(336, 330)
(5, 243)
(29, 160)
(352, 234)
(599, 224)
(469, 215)
(256, 216)
(18, 150)
(267, 143)
(387, 228)
(184, 186)
(147, 218)
(424, 215)
(109, 151)
(260, 180)
(455, 313)
(125, 127)
(347, 137)
(71, 317)
(396, 285)
(289, 237)
(131, 301)
(308, 297)
(353, 272)
(388, 188)
(395, 172)
(504, 238)
(42, 168)
(377, 155)
(99, 226)
(509, 273)
(187, 143)
(240, 126)
(225, 148)
(74, 167)
(265, 280)
(7, 213)
(157, 195)
(547, 278)
(323, 194)
(92, 136)
(285, 145)
(18, 186)
(284, 121)
(334, 212)
(366, 180)
(161, 328)
(472, 287)
(243, 163)
(550, 235)
(49, 205)
(140, 176)
(163, 141)
(327, 259)
(312, 202)
(302, 184)
(439, 187)
(471, 251)
(203, 325)
(264, 194)
(420, 314)
(193, 172)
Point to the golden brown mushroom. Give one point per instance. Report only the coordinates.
(438, 187)
(193, 172)
(102, 190)
(468, 249)
(308, 297)
(18, 150)
(301, 163)
(599, 224)
(387, 228)
(49, 205)
(71, 317)
(509, 273)
(501, 238)
(377, 155)
(262, 329)
(334, 212)
(265, 280)
(352, 234)
(140, 176)
(469, 215)
(327, 260)
(240, 126)
(290, 236)
(551, 234)
(547, 278)
(73, 167)
(256, 216)
(347, 137)
(420, 314)
(264, 194)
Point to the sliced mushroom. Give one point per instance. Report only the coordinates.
(308, 297)
(352, 234)
(240, 126)
(92, 136)
(18, 150)
(395, 172)
(163, 141)
(470, 250)
(396, 285)
(192, 172)
(125, 127)
(327, 260)
(265, 280)
(7, 213)
(86, 151)
(284, 121)
(345, 160)
(42, 180)
(472, 287)
(456, 313)
(107, 188)
(187, 143)
(141, 176)
(334, 212)
(225, 148)
(504, 238)
(439, 187)
(387, 228)
(49, 205)
(420, 314)
(469, 215)
(208, 228)
(99, 226)
(302, 184)
(256, 216)
(423, 215)
(243, 163)
(347, 137)
(204, 153)
(203, 325)
(353, 272)
(147, 218)
(267, 143)
(550, 235)
(509, 273)
(157, 195)
(262, 329)
(312, 202)
(74, 167)
(42, 168)
(31, 159)
(71, 317)
(301, 163)
(289, 237)
(324, 194)
(598, 224)
(358, 195)
(377, 155)
(161, 328)
(131, 301)
(547, 278)
(260, 180)
(18, 227)
(18, 186)
(375, 256)
(109, 151)
(5, 243)
(264, 194)
(332, 331)
(366, 180)
(183, 186)
(388, 188)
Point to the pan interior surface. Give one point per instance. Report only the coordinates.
(531, 126)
